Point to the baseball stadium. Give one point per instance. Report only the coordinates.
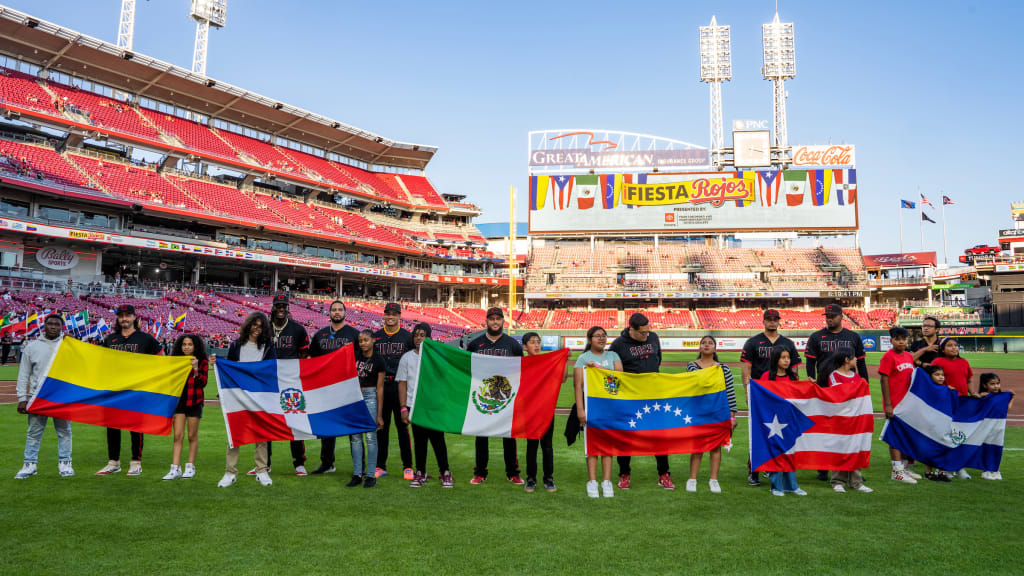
(129, 181)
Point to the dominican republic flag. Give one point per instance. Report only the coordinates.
(946, 200)
(800, 426)
(561, 189)
(768, 184)
(632, 179)
(846, 185)
(935, 425)
(907, 204)
(292, 399)
(586, 191)
(925, 200)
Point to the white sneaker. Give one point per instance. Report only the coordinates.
(190, 471)
(135, 468)
(112, 467)
(997, 475)
(253, 472)
(901, 476)
(28, 469)
(864, 489)
(65, 469)
(592, 489)
(264, 478)
(800, 492)
(910, 471)
(839, 488)
(607, 489)
(301, 471)
(226, 481)
(715, 488)
(775, 492)
(949, 475)
(986, 475)
(174, 474)
(963, 475)
(691, 485)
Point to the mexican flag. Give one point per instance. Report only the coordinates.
(480, 395)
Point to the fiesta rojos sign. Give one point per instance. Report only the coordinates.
(57, 258)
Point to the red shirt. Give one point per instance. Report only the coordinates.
(958, 373)
(836, 379)
(899, 368)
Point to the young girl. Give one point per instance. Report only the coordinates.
(708, 358)
(407, 375)
(781, 368)
(939, 379)
(190, 405)
(370, 368)
(595, 356)
(840, 369)
(896, 368)
(989, 384)
(531, 345)
(959, 376)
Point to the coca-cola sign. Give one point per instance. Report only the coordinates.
(57, 258)
(823, 156)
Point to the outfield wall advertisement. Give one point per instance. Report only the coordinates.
(817, 199)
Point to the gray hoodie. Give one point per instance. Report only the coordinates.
(35, 359)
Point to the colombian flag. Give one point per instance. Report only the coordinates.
(648, 414)
(96, 385)
(179, 323)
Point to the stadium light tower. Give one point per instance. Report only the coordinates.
(715, 68)
(126, 28)
(779, 65)
(206, 13)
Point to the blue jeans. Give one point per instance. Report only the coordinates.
(36, 427)
(783, 481)
(356, 440)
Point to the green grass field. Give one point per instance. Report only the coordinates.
(114, 525)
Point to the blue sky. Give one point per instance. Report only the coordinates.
(929, 91)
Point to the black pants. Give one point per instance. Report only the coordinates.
(548, 454)
(298, 448)
(114, 444)
(624, 464)
(393, 407)
(483, 455)
(420, 437)
(327, 445)
(5, 350)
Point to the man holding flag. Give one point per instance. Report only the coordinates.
(35, 359)
(327, 340)
(127, 338)
(291, 343)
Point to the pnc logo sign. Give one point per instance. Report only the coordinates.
(751, 125)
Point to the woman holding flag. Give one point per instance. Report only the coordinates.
(708, 358)
(595, 356)
(190, 406)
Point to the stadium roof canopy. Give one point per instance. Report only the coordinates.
(50, 46)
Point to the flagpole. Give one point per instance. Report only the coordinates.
(512, 262)
(921, 216)
(901, 226)
(945, 247)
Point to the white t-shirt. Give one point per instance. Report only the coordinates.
(409, 370)
(250, 352)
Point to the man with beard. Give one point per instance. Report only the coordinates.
(291, 342)
(129, 338)
(494, 342)
(327, 340)
(391, 342)
(926, 349)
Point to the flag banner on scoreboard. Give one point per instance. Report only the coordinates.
(801, 426)
(293, 399)
(561, 191)
(648, 414)
(586, 191)
(97, 385)
(796, 185)
(479, 395)
(538, 191)
(749, 179)
(937, 426)
(769, 182)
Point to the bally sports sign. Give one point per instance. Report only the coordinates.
(57, 258)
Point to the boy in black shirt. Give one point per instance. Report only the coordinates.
(128, 338)
(494, 342)
(390, 342)
(327, 340)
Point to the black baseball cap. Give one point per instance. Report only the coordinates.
(495, 311)
(392, 308)
(833, 310)
(125, 309)
(772, 313)
(281, 299)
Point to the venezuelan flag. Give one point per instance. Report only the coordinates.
(96, 385)
(648, 414)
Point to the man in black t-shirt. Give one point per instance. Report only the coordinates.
(128, 338)
(327, 340)
(291, 343)
(390, 342)
(831, 338)
(494, 342)
(5, 346)
(926, 349)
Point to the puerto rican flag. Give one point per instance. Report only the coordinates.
(561, 189)
(799, 426)
(292, 399)
(769, 183)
